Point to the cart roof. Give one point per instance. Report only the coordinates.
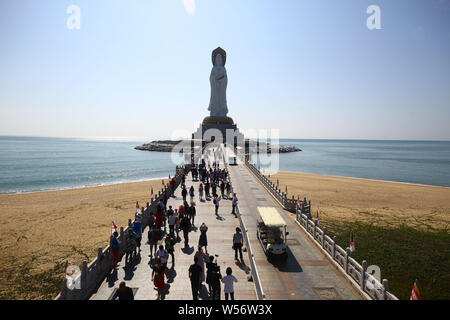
(271, 217)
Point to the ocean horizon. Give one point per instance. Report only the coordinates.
(30, 164)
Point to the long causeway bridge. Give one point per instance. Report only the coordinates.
(316, 267)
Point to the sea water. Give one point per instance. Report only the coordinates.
(34, 164)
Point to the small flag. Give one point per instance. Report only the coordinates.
(113, 228)
(67, 269)
(278, 184)
(169, 176)
(162, 181)
(415, 295)
(352, 242)
(317, 219)
(151, 192)
(285, 190)
(137, 205)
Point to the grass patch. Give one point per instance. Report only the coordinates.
(22, 283)
(403, 254)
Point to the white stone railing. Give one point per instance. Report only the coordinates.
(349, 267)
(93, 273)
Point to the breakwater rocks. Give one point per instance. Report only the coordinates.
(159, 145)
(168, 145)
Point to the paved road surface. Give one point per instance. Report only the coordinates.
(308, 274)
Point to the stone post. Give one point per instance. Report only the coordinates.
(99, 260)
(347, 255)
(315, 228)
(385, 288)
(323, 237)
(334, 247)
(84, 283)
(363, 276)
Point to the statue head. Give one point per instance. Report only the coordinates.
(223, 57)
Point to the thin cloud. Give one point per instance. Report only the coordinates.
(189, 6)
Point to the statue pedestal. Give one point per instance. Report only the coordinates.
(220, 129)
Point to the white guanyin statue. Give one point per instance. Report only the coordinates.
(218, 79)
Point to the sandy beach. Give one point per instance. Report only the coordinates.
(387, 204)
(43, 228)
(40, 229)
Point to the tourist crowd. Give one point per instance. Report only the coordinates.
(164, 228)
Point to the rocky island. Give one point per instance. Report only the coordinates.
(168, 145)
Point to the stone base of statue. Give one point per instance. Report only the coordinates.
(217, 120)
(217, 129)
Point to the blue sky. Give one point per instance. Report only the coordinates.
(311, 69)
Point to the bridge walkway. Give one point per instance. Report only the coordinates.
(308, 274)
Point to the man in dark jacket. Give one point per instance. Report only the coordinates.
(124, 293)
(184, 193)
(185, 225)
(195, 275)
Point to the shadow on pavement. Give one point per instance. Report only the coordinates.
(290, 265)
(188, 250)
(112, 278)
(165, 291)
(171, 274)
(242, 266)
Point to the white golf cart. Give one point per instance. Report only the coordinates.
(271, 232)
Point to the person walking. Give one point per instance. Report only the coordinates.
(228, 188)
(177, 224)
(153, 238)
(207, 185)
(137, 229)
(228, 282)
(162, 255)
(216, 203)
(215, 278)
(203, 240)
(209, 269)
(172, 187)
(234, 202)
(195, 275)
(115, 249)
(183, 181)
(214, 188)
(200, 192)
(130, 246)
(184, 193)
(123, 293)
(201, 262)
(151, 221)
(222, 189)
(158, 277)
(185, 225)
(192, 212)
(191, 193)
(171, 219)
(159, 217)
(170, 248)
(238, 242)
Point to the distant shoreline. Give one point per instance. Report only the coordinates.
(166, 178)
(83, 187)
(365, 179)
